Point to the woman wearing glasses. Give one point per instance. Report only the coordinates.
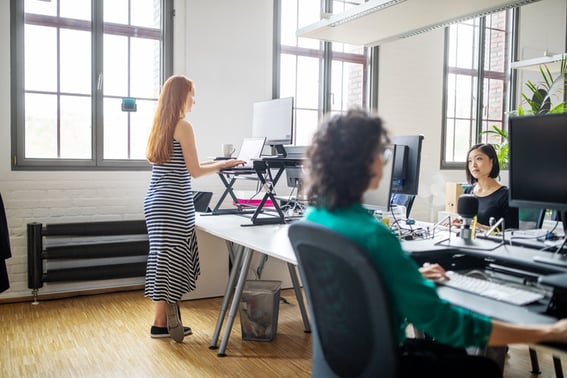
(345, 160)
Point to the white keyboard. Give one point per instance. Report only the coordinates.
(490, 289)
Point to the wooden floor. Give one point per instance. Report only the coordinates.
(107, 335)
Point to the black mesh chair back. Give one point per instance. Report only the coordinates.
(353, 334)
(202, 201)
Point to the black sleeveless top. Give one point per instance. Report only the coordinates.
(496, 205)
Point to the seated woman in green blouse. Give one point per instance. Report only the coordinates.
(345, 159)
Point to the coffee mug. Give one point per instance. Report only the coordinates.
(227, 150)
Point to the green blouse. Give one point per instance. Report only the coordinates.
(414, 298)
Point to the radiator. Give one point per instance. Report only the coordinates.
(83, 244)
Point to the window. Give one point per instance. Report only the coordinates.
(87, 78)
(322, 76)
(477, 56)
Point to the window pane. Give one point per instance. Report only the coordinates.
(141, 122)
(289, 28)
(41, 7)
(77, 9)
(41, 126)
(115, 65)
(115, 130)
(347, 86)
(76, 121)
(337, 86)
(287, 75)
(145, 68)
(495, 58)
(463, 129)
(306, 122)
(40, 58)
(450, 140)
(146, 13)
(307, 83)
(116, 11)
(450, 98)
(464, 101)
(462, 46)
(494, 99)
(309, 13)
(75, 61)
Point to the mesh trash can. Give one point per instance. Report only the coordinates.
(259, 307)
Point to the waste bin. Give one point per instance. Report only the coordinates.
(259, 307)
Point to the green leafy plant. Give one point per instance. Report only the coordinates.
(538, 99)
(501, 148)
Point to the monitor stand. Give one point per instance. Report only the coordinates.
(280, 150)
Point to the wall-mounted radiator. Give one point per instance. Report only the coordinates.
(70, 251)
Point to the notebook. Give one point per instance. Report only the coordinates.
(250, 150)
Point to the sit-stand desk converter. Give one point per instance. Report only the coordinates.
(262, 172)
(229, 178)
(268, 180)
(242, 241)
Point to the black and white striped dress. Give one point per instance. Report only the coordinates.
(173, 261)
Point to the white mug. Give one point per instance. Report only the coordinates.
(228, 149)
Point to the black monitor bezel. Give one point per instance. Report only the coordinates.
(514, 199)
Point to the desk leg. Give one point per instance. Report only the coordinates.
(227, 293)
(247, 258)
(299, 296)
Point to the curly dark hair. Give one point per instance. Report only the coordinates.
(487, 149)
(339, 158)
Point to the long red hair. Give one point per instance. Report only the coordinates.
(170, 108)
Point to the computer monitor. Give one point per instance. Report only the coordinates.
(405, 176)
(537, 164)
(379, 199)
(273, 119)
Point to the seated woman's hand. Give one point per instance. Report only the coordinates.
(433, 272)
(456, 222)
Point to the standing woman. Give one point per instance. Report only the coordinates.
(173, 260)
(481, 171)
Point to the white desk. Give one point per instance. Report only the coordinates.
(271, 240)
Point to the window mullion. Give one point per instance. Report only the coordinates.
(480, 80)
(97, 81)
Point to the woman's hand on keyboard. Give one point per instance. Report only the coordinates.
(433, 272)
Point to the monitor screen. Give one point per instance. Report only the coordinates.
(273, 119)
(538, 158)
(405, 179)
(379, 199)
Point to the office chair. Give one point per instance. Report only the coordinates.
(202, 200)
(403, 200)
(532, 218)
(352, 330)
